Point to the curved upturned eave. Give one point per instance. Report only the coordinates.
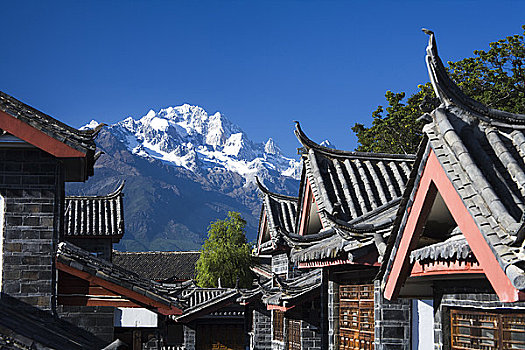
(335, 153)
(112, 195)
(279, 196)
(449, 92)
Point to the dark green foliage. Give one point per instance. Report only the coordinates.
(226, 254)
(495, 77)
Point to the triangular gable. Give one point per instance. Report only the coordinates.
(433, 180)
(310, 220)
(264, 231)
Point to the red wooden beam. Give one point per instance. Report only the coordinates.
(434, 175)
(445, 268)
(134, 296)
(37, 138)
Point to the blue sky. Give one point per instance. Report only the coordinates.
(261, 63)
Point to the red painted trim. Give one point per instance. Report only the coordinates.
(37, 138)
(433, 174)
(445, 268)
(134, 296)
(278, 307)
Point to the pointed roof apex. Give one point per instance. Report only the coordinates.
(449, 92)
(331, 152)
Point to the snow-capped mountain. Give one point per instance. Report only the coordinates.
(184, 169)
(187, 136)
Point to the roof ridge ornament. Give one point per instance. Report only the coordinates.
(449, 93)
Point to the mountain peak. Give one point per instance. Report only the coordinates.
(186, 136)
(327, 143)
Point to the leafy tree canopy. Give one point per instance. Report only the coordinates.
(226, 254)
(495, 77)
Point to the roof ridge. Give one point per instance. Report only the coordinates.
(117, 192)
(265, 190)
(310, 144)
(450, 93)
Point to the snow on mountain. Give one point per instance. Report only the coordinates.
(327, 143)
(187, 136)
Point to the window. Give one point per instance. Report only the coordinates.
(293, 330)
(487, 330)
(278, 325)
(356, 317)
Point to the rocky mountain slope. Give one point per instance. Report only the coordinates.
(183, 169)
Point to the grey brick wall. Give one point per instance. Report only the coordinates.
(333, 315)
(189, 337)
(392, 322)
(280, 264)
(31, 185)
(310, 336)
(98, 320)
(262, 330)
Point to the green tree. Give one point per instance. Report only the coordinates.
(226, 254)
(495, 77)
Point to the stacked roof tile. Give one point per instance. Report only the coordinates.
(95, 216)
(482, 151)
(159, 266)
(280, 212)
(357, 195)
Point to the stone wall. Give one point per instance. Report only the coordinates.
(98, 320)
(189, 336)
(32, 189)
(262, 330)
(392, 322)
(333, 315)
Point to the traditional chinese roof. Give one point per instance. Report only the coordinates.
(203, 301)
(357, 195)
(95, 216)
(21, 120)
(294, 291)
(278, 216)
(482, 151)
(159, 266)
(76, 261)
(25, 327)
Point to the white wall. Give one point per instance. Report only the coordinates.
(134, 317)
(422, 324)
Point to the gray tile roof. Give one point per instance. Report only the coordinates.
(202, 301)
(159, 266)
(357, 195)
(280, 211)
(95, 216)
(82, 260)
(81, 140)
(455, 248)
(292, 291)
(482, 151)
(23, 326)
